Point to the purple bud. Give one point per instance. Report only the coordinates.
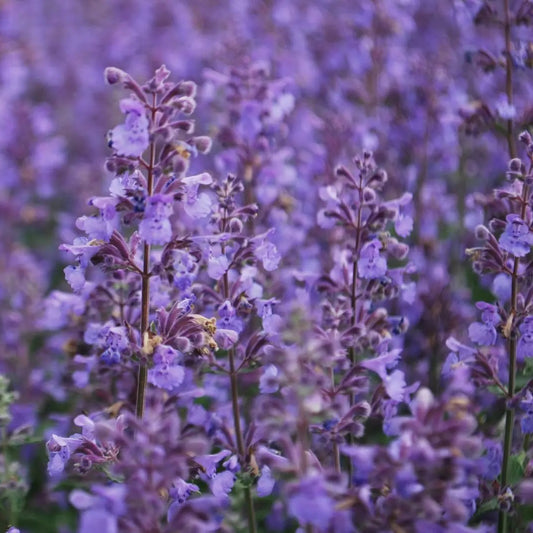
(378, 179)
(187, 88)
(114, 75)
(369, 196)
(203, 144)
(399, 250)
(235, 225)
(482, 232)
(525, 137)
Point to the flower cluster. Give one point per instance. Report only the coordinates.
(253, 338)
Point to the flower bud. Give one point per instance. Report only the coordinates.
(378, 179)
(496, 225)
(525, 137)
(399, 250)
(369, 195)
(185, 104)
(341, 171)
(482, 232)
(235, 225)
(114, 75)
(203, 143)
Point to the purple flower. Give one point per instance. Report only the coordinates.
(501, 287)
(371, 265)
(116, 341)
(179, 493)
(266, 252)
(185, 268)
(268, 382)
(459, 355)
(166, 372)
(310, 504)
(525, 344)
(492, 461)
(526, 405)
(484, 333)
(394, 383)
(272, 323)
(222, 483)
(181, 490)
(75, 276)
(155, 226)
(98, 519)
(82, 249)
(100, 227)
(131, 139)
(197, 205)
(218, 264)
(266, 482)
(516, 238)
(210, 463)
(59, 451)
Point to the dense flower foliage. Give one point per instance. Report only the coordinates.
(292, 295)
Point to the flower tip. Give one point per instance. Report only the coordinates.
(113, 75)
(203, 144)
(482, 232)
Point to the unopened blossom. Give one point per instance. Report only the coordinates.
(131, 139)
(516, 238)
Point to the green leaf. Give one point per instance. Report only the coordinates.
(485, 507)
(525, 512)
(516, 468)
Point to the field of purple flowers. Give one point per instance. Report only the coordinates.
(266, 266)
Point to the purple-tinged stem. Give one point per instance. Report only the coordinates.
(142, 376)
(509, 78)
(353, 302)
(503, 517)
(233, 372)
(509, 412)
